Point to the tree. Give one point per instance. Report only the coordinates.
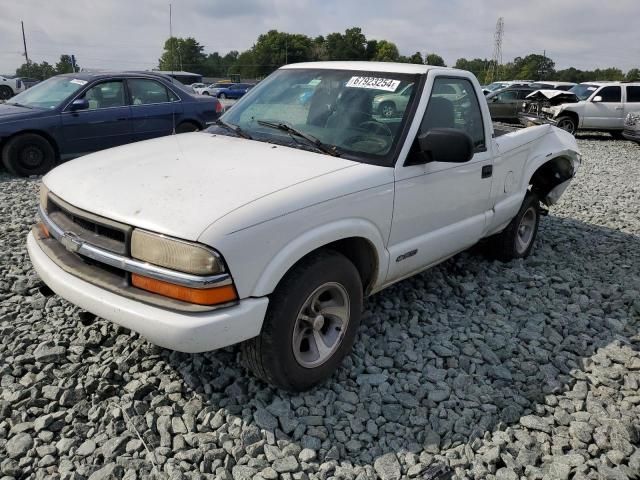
(416, 58)
(633, 75)
(435, 59)
(350, 46)
(40, 71)
(182, 54)
(386, 52)
(477, 66)
(64, 65)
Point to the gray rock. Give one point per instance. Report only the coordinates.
(110, 471)
(387, 467)
(19, 445)
(86, 448)
(264, 419)
(286, 464)
(534, 422)
(48, 352)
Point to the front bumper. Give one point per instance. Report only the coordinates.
(531, 120)
(189, 332)
(633, 135)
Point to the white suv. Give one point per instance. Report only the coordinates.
(10, 87)
(601, 106)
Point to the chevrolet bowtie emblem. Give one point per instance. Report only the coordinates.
(71, 241)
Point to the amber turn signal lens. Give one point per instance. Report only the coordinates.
(44, 231)
(199, 296)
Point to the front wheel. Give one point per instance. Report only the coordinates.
(516, 241)
(568, 124)
(5, 92)
(310, 325)
(28, 154)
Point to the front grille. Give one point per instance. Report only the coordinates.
(95, 230)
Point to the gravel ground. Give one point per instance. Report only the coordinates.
(488, 370)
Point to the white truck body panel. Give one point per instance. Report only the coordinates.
(265, 206)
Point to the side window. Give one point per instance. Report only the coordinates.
(522, 94)
(145, 92)
(507, 96)
(454, 104)
(611, 94)
(106, 95)
(633, 94)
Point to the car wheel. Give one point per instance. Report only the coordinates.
(310, 325)
(222, 96)
(5, 92)
(568, 124)
(28, 154)
(387, 109)
(516, 241)
(186, 127)
(205, 93)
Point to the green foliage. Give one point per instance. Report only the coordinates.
(42, 71)
(386, 52)
(182, 54)
(435, 59)
(633, 75)
(64, 65)
(416, 58)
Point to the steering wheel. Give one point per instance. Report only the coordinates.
(379, 126)
(370, 143)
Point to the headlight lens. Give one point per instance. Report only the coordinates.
(44, 196)
(175, 254)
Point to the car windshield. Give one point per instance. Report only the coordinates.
(584, 91)
(338, 108)
(50, 93)
(492, 87)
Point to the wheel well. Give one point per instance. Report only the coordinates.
(572, 115)
(360, 252)
(551, 174)
(44, 135)
(192, 122)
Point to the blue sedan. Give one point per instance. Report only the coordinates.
(235, 90)
(73, 114)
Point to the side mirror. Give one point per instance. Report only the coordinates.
(494, 99)
(597, 99)
(447, 145)
(79, 104)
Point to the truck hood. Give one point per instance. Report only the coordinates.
(180, 184)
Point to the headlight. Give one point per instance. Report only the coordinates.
(44, 196)
(175, 254)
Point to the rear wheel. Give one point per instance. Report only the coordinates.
(28, 154)
(516, 241)
(310, 325)
(568, 124)
(5, 92)
(387, 109)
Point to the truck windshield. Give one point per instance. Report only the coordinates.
(50, 93)
(358, 115)
(584, 91)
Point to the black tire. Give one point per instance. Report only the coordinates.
(5, 92)
(387, 109)
(617, 134)
(222, 96)
(28, 154)
(568, 124)
(271, 355)
(186, 127)
(508, 245)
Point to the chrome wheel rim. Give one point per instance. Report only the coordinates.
(321, 325)
(387, 110)
(566, 125)
(526, 228)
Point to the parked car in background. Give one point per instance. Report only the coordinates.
(197, 86)
(601, 106)
(545, 85)
(270, 228)
(10, 86)
(391, 104)
(69, 115)
(495, 86)
(632, 127)
(235, 90)
(505, 104)
(214, 88)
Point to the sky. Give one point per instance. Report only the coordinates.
(129, 34)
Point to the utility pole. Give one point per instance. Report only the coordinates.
(494, 71)
(24, 41)
(286, 51)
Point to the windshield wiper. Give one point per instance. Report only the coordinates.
(329, 150)
(234, 128)
(19, 105)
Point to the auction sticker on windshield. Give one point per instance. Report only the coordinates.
(387, 84)
(78, 82)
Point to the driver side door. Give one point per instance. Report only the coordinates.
(440, 208)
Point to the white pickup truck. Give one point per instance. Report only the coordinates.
(270, 227)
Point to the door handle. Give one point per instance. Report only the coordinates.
(487, 171)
